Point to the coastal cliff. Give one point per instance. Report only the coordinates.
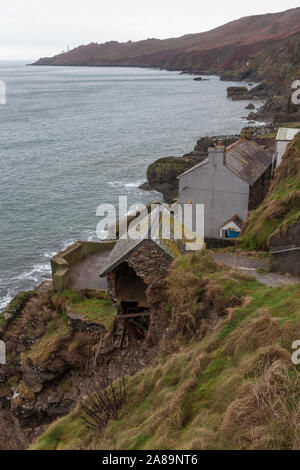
(220, 375)
(224, 378)
(237, 48)
(263, 48)
(214, 379)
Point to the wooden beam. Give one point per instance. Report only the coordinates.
(133, 315)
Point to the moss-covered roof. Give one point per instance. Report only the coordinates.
(161, 228)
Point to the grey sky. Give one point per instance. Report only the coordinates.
(33, 28)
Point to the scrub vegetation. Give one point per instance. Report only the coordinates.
(224, 379)
(281, 207)
(93, 306)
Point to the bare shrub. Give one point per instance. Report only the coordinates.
(266, 411)
(101, 405)
(277, 393)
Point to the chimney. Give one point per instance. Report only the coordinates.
(216, 155)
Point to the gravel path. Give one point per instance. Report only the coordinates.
(251, 266)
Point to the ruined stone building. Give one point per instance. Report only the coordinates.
(137, 270)
(230, 182)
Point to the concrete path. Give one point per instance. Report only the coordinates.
(251, 266)
(85, 273)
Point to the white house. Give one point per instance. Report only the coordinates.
(284, 136)
(229, 183)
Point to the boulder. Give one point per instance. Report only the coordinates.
(237, 92)
(145, 186)
(162, 175)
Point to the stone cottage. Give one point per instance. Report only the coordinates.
(230, 182)
(137, 270)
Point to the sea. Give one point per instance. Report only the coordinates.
(73, 138)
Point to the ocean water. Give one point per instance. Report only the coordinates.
(73, 138)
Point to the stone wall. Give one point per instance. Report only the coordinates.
(259, 189)
(149, 262)
(212, 243)
(63, 261)
(285, 250)
(152, 265)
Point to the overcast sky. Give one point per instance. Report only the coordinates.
(30, 29)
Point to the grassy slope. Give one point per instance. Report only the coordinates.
(229, 386)
(46, 319)
(282, 205)
(57, 331)
(98, 310)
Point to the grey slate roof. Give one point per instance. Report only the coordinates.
(245, 158)
(248, 160)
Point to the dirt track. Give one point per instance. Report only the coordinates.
(252, 266)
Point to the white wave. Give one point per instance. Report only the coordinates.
(261, 123)
(123, 184)
(49, 254)
(91, 238)
(66, 243)
(89, 235)
(135, 184)
(4, 301)
(35, 273)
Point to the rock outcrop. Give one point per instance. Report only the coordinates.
(238, 93)
(239, 50)
(52, 351)
(285, 250)
(277, 108)
(263, 48)
(162, 174)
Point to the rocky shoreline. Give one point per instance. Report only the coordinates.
(277, 109)
(162, 173)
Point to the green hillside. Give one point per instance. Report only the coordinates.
(223, 380)
(281, 207)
